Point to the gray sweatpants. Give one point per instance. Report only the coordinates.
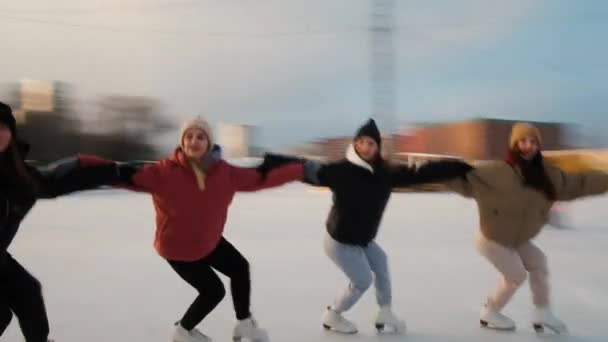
(361, 265)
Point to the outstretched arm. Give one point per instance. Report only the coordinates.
(570, 186)
(133, 175)
(250, 179)
(437, 171)
(461, 185)
(75, 174)
(315, 172)
(137, 175)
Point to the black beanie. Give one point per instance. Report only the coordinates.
(6, 117)
(369, 129)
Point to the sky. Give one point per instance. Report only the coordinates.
(301, 69)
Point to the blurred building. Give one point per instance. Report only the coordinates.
(42, 97)
(310, 150)
(238, 141)
(44, 111)
(38, 95)
(135, 116)
(125, 128)
(476, 139)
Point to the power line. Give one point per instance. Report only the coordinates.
(165, 5)
(377, 31)
(78, 25)
(219, 34)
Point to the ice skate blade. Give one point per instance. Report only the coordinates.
(328, 328)
(540, 329)
(388, 330)
(485, 324)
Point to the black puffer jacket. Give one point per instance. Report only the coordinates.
(361, 191)
(59, 178)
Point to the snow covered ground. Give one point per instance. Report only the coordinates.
(104, 283)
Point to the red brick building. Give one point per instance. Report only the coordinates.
(479, 139)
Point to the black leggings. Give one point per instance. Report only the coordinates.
(21, 295)
(227, 260)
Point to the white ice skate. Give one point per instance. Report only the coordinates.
(248, 329)
(182, 335)
(492, 319)
(334, 321)
(387, 322)
(544, 318)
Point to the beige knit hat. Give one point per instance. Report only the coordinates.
(196, 122)
(521, 130)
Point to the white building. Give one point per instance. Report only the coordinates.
(237, 141)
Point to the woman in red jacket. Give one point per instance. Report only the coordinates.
(192, 191)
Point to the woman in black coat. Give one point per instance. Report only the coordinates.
(361, 185)
(20, 186)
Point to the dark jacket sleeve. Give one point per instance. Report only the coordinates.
(12, 213)
(69, 175)
(431, 172)
(322, 174)
(315, 172)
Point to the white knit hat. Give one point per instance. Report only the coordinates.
(200, 123)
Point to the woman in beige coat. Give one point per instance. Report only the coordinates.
(514, 197)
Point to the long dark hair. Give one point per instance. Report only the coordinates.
(16, 178)
(533, 172)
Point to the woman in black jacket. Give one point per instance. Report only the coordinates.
(361, 185)
(20, 186)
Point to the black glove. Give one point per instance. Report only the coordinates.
(461, 168)
(446, 169)
(126, 171)
(273, 161)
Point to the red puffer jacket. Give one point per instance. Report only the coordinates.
(189, 221)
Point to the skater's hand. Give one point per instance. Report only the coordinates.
(125, 172)
(272, 161)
